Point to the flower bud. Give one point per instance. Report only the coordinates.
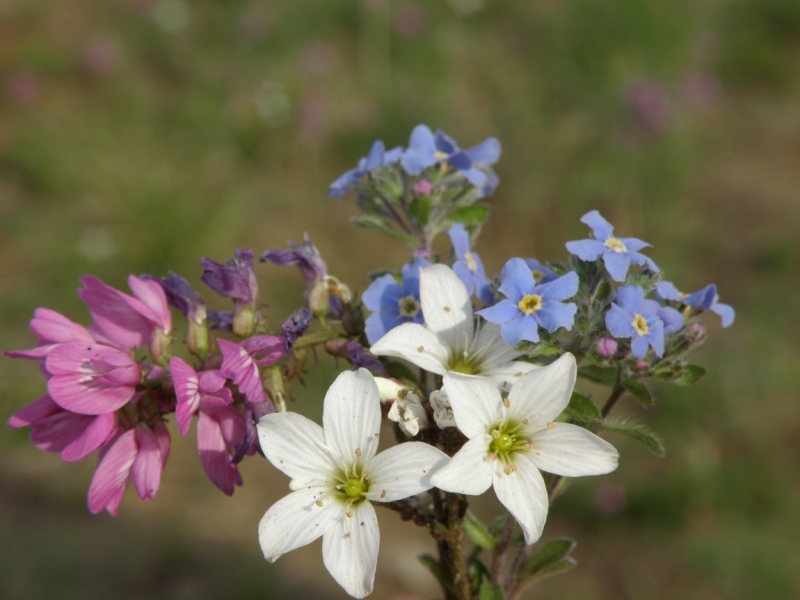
(318, 299)
(197, 338)
(423, 188)
(160, 347)
(244, 320)
(389, 389)
(606, 347)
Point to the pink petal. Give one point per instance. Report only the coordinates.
(162, 435)
(147, 467)
(111, 476)
(33, 412)
(98, 432)
(265, 349)
(152, 295)
(51, 327)
(212, 381)
(186, 383)
(113, 313)
(238, 366)
(214, 455)
(231, 423)
(34, 353)
(58, 431)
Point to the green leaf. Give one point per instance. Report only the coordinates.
(420, 209)
(582, 409)
(498, 525)
(639, 391)
(552, 559)
(668, 372)
(478, 532)
(542, 348)
(469, 215)
(491, 592)
(478, 573)
(691, 374)
(603, 292)
(607, 376)
(379, 225)
(641, 433)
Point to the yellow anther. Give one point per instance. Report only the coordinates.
(349, 513)
(530, 303)
(358, 451)
(470, 260)
(365, 475)
(640, 325)
(496, 434)
(525, 421)
(447, 309)
(615, 245)
(506, 402)
(551, 425)
(319, 503)
(527, 447)
(421, 349)
(510, 469)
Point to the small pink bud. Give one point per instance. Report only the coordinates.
(641, 364)
(422, 253)
(423, 188)
(606, 347)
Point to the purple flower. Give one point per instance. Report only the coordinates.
(392, 302)
(617, 253)
(541, 273)
(220, 425)
(378, 157)
(306, 257)
(426, 149)
(240, 363)
(294, 326)
(182, 296)
(528, 305)
(468, 265)
(357, 355)
(220, 319)
(631, 316)
(704, 299)
(235, 279)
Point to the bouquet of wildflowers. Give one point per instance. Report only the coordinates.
(475, 375)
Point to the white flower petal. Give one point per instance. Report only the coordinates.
(475, 401)
(416, 344)
(296, 446)
(572, 451)
(296, 520)
(506, 375)
(446, 306)
(469, 471)
(389, 389)
(542, 394)
(489, 347)
(351, 417)
(350, 550)
(404, 470)
(524, 494)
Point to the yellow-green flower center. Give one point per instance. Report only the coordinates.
(471, 264)
(537, 275)
(439, 155)
(508, 438)
(615, 245)
(409, 306)
(352, 484)
(463, 365)
(354, 488)
(640, 325)
(530, 303)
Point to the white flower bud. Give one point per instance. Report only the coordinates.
(409, 413)
(389, 389)
(442, 411)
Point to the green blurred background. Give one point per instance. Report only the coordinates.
(138, 136)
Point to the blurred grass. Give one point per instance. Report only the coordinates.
(140, 136)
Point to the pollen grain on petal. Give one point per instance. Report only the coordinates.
(551, 425)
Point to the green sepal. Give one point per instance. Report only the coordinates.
(641, 433)
(379, 225)
(604, 375)
(491, 592)
(691, 374)
(553, 559)
(541, 348)
(668, 372)
(420, 209)
(478, 532)
(468, 215)
(581, 408)
(639, 391)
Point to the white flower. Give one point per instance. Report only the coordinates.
(511, 439)
(442, 411)
(449, 340)
(336, 476)
(389, 389)
(409, 414)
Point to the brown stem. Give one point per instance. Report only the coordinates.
(449, 534)
(514, 585)
(499, 556)
(616, 394)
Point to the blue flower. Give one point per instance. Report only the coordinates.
(541, 273)
(426, 149)
(468, 266)
(529, 305)
(704, 299)
(617, 253)
(378, 157)
(393, 303)
(631, 316)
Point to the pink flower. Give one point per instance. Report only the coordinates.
(220, 426)
(137, 455)
(123, 320)
(53, 329)
(54, 429)
(240, 362)
(90, 378)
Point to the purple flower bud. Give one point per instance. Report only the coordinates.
(361, 358)
(235, 279)
(306, 257)
(220, 319)
(181, 295)
(423, 188)
(294, 326)
(606, 347)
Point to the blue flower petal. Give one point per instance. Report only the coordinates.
(545, 275)
(378, 324)
(502, 312)
(410, 274)
(619, 322)
(467, 277)
(563, 288)
(726, 312)
(703, 299)
(381, 293)
(587, 250)
(375, 156)
(655, 337)
(460, 160)
(475, 176)
(486, 294)
(392, 156)
(460, 240)
(486, 153)
(516, 280)
(668, 291)
(673, 320)
(444, 143)
(639, 347)
(617, 264)
(343, 184)
(634, 244)
(601, 228)
(638, 258)
(524, 327)
(491, 184)
(556, 315)
(415, 160)
(630, 298)
(422, 139)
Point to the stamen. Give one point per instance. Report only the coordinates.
(510, 469)
(525, 421)
(496, 433)
(470, 260)
(349, 513)
(506, 402)
(530, 303)
(527, 447)
(640, 325)
(446, 309)
(551, 425)
(615, 245)
(358, 451)
(319, 503)
(365, 475)
(421, 349)
(383, 494)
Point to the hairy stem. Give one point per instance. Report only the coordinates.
(449, 534)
